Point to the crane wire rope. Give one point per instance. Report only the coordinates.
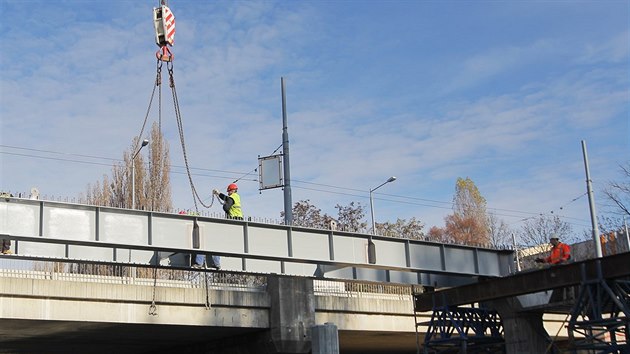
(157, 83)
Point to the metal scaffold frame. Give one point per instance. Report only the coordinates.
(464, 330)
(600, 319)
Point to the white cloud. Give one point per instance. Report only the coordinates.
(519, 141)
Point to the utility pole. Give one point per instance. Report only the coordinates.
(591, 203)
(625, 225)
(288, 203)
(518, 260)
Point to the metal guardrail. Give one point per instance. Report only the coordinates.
(81, 232)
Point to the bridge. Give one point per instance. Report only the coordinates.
(105, 278)
(124, 276)
(103, 308)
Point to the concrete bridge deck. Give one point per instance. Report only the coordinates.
(51, 310)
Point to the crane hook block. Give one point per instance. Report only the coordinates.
(164, 23)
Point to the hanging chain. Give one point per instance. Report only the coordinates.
(205, 276)
(180, 127)
(158, 82)
(153, 308)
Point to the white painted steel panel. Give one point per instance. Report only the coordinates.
(425, 256)
(231, 263)
(299, 269)
(221, 237)
(390, 253)
(268, 242)
(460, 259)
(350, 249)
(403, 277)
(69, 223)
(172, 232)
(91, 253)
(40, 249)
(310, 245)
(134, 256)
(262, 266)
(116, 227)
(19, 219)
(371, 274)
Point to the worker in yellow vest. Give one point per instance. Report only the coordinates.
(232, 202)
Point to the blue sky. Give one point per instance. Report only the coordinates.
(499, 91)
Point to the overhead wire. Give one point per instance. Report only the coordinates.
(256, 168)
(410, 200)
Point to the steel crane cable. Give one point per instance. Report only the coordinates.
(180, 127)
(157, 83)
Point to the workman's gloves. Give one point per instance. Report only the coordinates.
(215, 191)
(539, 260)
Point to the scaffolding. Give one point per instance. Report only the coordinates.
(464, 330)
(600, 319)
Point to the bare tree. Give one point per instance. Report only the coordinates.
(538, 230)
(156, 189)
(153, 188)
(499, 231)
(618, 192)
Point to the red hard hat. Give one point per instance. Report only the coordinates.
(232, 187)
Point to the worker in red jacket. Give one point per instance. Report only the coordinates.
(560, 252)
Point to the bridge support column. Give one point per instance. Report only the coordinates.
(326, 339)
(292, 313)
(524, 332)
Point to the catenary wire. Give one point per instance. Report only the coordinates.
(532, 214)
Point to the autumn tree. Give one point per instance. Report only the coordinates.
(410, 229)
(152, 184)
(308, 215)
(350, 217)
(465, 229)
(438, 234)
(469, 222)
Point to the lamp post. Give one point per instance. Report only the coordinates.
(371, 246)
(145, 142)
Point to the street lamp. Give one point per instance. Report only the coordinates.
(145, 142)
(371, 246)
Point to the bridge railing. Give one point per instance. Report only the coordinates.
(74, 231)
